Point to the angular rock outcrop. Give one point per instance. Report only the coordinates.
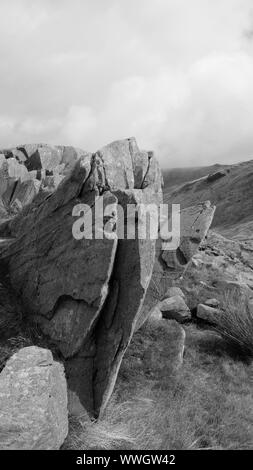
(194, 224)
(86, 293)
(33, 402)
(171, 264)
(83, 276)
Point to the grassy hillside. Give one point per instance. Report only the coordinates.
(231, 189)
(208, 404)
(178, 176)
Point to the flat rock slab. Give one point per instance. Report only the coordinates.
(33, 402)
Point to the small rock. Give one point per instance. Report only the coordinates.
(212, 303)
(33, 402)
(156, 314)
(175, 308)
(210, 314)
(173, 291)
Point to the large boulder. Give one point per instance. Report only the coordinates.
(78, 289)
(194, 224)
(33, 402)
(83, 274)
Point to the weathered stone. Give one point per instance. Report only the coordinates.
(87, 294)
(172, 291)
(170, 265)
(194, 224)
(117, 164)
(175, 308)
(212, 303)
(33, 402)
(209, 314)
(24, 193)
(153, 177)
(79, 290)
(140, 168)
(70, 155)
(130, 280)
(16, 170)
(163, 356)
(41, 156)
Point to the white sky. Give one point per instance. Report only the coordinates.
(177, 74)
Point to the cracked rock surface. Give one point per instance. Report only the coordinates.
(88, 295)
(33, 402)
(85, 294)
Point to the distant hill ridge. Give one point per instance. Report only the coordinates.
(229, 187)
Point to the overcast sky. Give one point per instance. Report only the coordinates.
(177, 74)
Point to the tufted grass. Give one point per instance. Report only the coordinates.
(235, 322)
(208, 405)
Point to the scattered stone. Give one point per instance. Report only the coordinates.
(174, 291)
(33, 402)
(209, 314)
(171, 265)
(175, 308)
(212, 303)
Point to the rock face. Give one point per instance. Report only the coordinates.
(10, 312)
(33, 402)
(175, 308)
(194, 224)
(171, 264)
(83, 276)
(76, 288)
(27, 169)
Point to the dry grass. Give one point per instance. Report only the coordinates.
(209, 404)
(110, 432)
(235, 322)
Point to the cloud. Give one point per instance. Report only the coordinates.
(176, 74)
